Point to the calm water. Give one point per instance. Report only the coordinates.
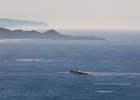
(39, 70)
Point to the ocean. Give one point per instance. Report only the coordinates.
(39, 69)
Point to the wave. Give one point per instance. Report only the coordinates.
(26, 59)
(101, 91)
(123, 84)
(27, 74)
(116, 84)
(107, 74)
(32, 59)
(111, 73)
(7, 40)
(62, 60)
(63, 72)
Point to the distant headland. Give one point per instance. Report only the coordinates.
(23, 24)
(33, 34)
(6, 22)
(24, 29)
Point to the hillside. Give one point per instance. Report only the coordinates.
(33, 34)
(22, 24)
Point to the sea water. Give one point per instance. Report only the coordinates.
(39, 69)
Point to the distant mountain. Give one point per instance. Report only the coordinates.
(22, 24)
(33, 34)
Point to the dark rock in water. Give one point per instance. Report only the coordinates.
(78, 72)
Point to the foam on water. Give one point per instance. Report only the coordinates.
(117, 84)
(32, 59)
(26, 59)
(122, 84)
(111, 74)
(63, 72)
(64, 60)
(106, 74)
(9, 40)
(102, 91)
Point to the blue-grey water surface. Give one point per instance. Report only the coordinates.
(39, 70)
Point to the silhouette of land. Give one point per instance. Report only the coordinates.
(9, 23)
(33, 34)
(23, 24)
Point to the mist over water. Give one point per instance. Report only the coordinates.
(109, 34)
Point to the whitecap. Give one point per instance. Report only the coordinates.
(55, 60)
(7, 40)
(32, 59)
(63, 72)
(112, 74)
(122, 84)
(117, 84)
(102, 91)
(27, 59)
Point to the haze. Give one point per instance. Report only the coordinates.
(76, 14)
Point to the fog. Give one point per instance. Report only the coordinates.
(108, 34)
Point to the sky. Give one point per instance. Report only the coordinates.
(76, 14)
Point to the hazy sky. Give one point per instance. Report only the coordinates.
(76, 14)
